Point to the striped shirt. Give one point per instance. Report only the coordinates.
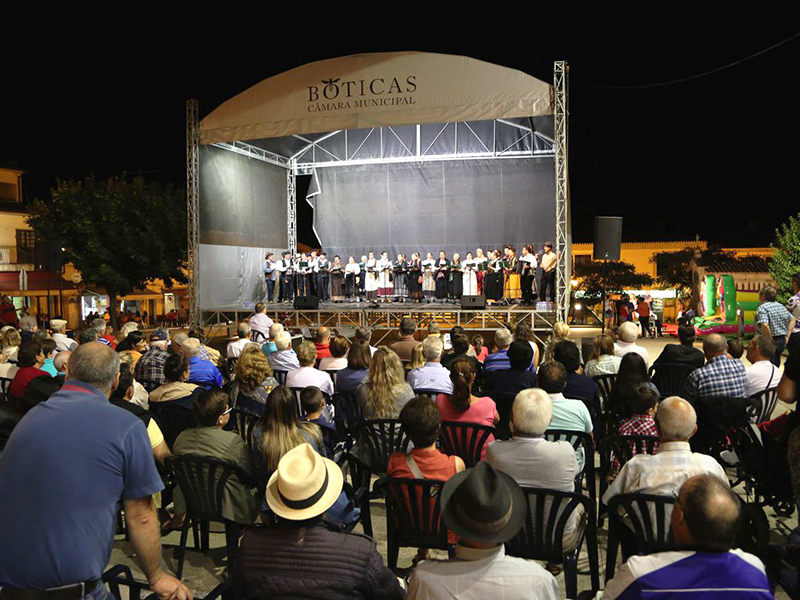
(721, 377)
(775, 316)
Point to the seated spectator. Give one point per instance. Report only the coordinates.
(260, 322)
(122, 397)
(140, 395)
(721, 376)
(735, 349)
(177, 346)
(202, 372)
(364, 334)
(87, 336)
(134, 343)
(460, 343)
(762, 374)
(683, 353)
(603, 360)
(49, 348)
(579, 386)
(535, 462)
(306, 374)
(458, 330)
(664, 473)
(271, 564)
(27, 327)
(30, 360)
(40, 335)
(523, 333)
(11, 343)
(485, 508)
(406, 342)
(240, 503)
(431, 376)
(517, 378)
(705, 525)
(628, 333)
(462, 405)
(561, 331)
(568, 414)
(313, 403)
(481, 351)
(337, 360)
(269, 347)
(498, 361)
(358, 358)
(208, 353)
(638, 418)
(417, 358)
(105, 334)
(236, 346)
(176, 385)
(323, 343)
(8, 312)
(39, 390)
(58, 326)
(284, 358)
(632, 374)
(254, 381)
(149, 369)
(435, 330)
(61, 363)
(124, 331)
(384, 392)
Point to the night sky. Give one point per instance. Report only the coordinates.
(715, 155)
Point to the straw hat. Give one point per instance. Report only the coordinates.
(304, 486)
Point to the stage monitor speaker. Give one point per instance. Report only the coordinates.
(47, 255)
(306, 303)
(607, 238)
(473, 302)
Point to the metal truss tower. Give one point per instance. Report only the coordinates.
(193, 207)
(562, 249)
(291, 207)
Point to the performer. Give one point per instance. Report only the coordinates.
(323, 266)
(401, 278)
(301, 281)
(362, 278)
(270, 275)
(511, 289)
(547, 281)
(287, 268)
(493, 282)
(469, 281)
(371, 285)
(337, 279)
(456, 273)
(428, 281)
(442, 276)
(384, 268)
(415, 278)
(351, 276)
(480, 273)
(313, 271)
(527, 274)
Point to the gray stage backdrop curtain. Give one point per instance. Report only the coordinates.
(231, 276)
(455, 206)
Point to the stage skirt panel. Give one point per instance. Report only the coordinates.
(493, 286)
(469, 283)
(428, 284)
(512, 288)
(456, 285)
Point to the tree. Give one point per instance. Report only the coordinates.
(118, 233)
(786, 260)
(674, 267)
(614, 277)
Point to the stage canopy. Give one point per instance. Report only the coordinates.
(407, 151)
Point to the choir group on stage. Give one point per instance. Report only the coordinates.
(500, 276)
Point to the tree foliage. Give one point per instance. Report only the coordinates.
(119, 233)
(786, 260)
(613, 277)
(674, 267)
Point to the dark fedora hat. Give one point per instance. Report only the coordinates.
(483, 505)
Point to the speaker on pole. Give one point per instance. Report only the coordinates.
(607, 238)
(473, 302)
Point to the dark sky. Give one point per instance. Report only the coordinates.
(715, 155)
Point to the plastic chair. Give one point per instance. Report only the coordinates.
(121, 575)
(332, 373)
(381, 438)
(670, 377)
(244, 422)
(623, 448)
(5, 384)
(766, 402)
(504, 402)
(604, 384)
(542, 534)
(280, 376)
(650, 520)
(258, 337)
(202, 481)
(428, 392)
(587, 477)
(466, 440)
(413, 517)
(174, 416)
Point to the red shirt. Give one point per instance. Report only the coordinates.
(111, 340)
(323, 350)
(23, 377)
(643, 309)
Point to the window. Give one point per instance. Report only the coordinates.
(26, 245)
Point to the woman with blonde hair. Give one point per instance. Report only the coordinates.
(561, 331)
(254, 380)
(603, 361)
(11, 343)
(523, 332)
(417, 358)
(384, 392)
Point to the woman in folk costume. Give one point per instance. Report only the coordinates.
(480, 271)
(442, 276)
(493, 282)
(428, 282)
(351, 273)
(362, 278)
(401, 278)
(415, 278)
(336, 270)
(385, 287)
(371, 285)
(512, 290)
(456, 273)
(469, 280)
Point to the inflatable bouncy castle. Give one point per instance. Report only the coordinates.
(719, 302)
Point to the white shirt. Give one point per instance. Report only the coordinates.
(283, 360)
(306, 376)
(63, 343)
(261, 322)
(605, 365)
(758, 376)
(236, 346)
(352, 268)
(330, 363)
(622, 348)
(481, 574)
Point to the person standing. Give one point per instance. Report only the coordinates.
(351, 273)
(287, 269)
(469, 279)
(384, 267)
(415, 278)
(643, 308)
(493, 281)
(270, 275)
(371, 286)
(362, 278)
(456, 281)
(323, 276)
(337, 279)
(511, 290)
(428, 281)
(442, 276)
(774, 320)
(793, 306)
(401, 278)
(547, 283)
(527, 274)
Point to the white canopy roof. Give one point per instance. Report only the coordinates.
(374, 90)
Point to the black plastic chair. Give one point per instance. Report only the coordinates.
(121, 575)
(466, 440)
(604, 384)
(174, 416)
(766, 402)
(587, 477)
(360, 478)
(381, 438)
(5, 384)
(413, 517)
(669, 378)
(244, 422)
(428, 392)
(504, 402)
(332, 373)
(280, 376)
(623, 448)
(650, 520)
(202, 481)
(542, 534)
(258, 337)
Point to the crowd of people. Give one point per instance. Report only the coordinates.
(82, 412)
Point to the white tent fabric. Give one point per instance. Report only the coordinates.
(372, 90)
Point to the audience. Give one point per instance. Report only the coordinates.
(11, 343)
(638, 418)
(60, 362)
(735, 349)
(208, 353)
(632, 374)
(27, 326)
(254, 381)
(683, 353)
(87, 336)
(579, 386)
(58, 326)
(48, 348)
(497, 361)
(39, 390)
(306, 374)
(149, 369)
(517, 378)
(762, 374)
(431, 376)
(523, 333)
(628, 333)
(260, 322)
(284, 358)
(337, 360)
(720, 377)
(269, 346)
(459, 330)
(481, 351)
(460, 343)
(30, 360)
(134, 343)
(202, 372)
(105, 334)
(358, 358)
(561, 331)
(312, 403)
(122, 397)
(384, 392)
(603, 361)
(176, 384)
(406, 343)
(774, 320)
(323, 342)
(364, 334)
(417, 358)
(236, 346)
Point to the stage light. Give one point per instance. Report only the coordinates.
(578, 306)
(573, 282)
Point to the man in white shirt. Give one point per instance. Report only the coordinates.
(547, 279)
(365, 334)
(432, 375)
(485, 508)
(761, 374)
(260, 321)
(236, 346)
(307, 375)
(63, 343)
(284, 358)
(627, 334)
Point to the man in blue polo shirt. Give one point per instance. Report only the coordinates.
(705, 522)
(63, 472)
(201, 372)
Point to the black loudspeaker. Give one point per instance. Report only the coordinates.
(607, 238)
(47, 255)
(473, 302)
(306, 303)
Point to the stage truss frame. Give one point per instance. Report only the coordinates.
(193, 206)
